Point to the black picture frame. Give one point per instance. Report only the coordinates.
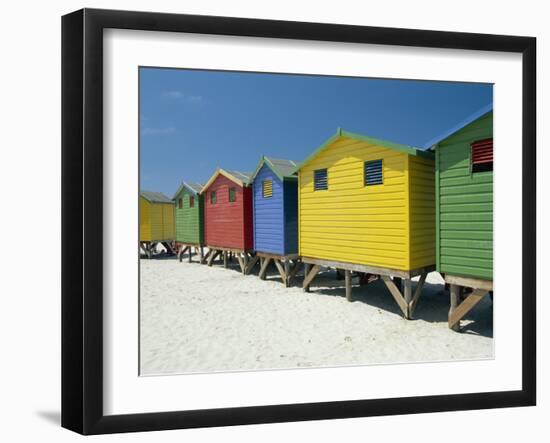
(82, 215)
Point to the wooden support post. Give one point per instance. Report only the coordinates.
(201, 257)
(307, 267)
(263, 268)
(245, 262)
(417, 293)
(213, 255)
(463, 308)
(225, 259)
(280, 269)
(206, 257)
(407, 295)
(287, 272)
(309, 276)
(347, 276)
(190, 254)
(394, 291)
(455, 300)
(242, 264)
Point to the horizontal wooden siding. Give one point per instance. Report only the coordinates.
(422, 211)
(268, 213)
(349, 221)
(189, 227)
(465, 210)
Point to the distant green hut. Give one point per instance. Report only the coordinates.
(189, 219)
(464, 211)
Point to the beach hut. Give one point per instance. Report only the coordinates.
(228, 217)
(189, 220)
(275, 209)
(368, 206)
(464, 211)
(156, 221)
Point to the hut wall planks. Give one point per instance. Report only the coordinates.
(156, 221)
(228, 224)
(421, 212)
(269, 228)
(189, 220)
(465, 205)
(349, 221)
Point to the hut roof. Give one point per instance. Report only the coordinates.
(154, 197)
(241, 178)
(340, 133)
(282, 168)
(470, 119)
(194, 188)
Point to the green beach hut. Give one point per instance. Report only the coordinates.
(464, 211)
(189, 220)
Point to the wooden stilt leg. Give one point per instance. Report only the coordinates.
(244, 267)
(417, 293)
(280, 269)
(347, 276)
(225, 259)
(307, 267)
(263, 268)
(407, 295)
(310, 276)
(396, 295)
(190, 254)
(455, 297)
(287, 273)
(463, 308)
(212, 256)
(241, 261)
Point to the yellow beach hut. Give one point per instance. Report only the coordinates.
(368, 206)
(156, 221)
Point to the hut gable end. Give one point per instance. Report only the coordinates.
(349, 221)
(227, 223)
(189, 217)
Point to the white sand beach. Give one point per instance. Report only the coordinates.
(196, 318)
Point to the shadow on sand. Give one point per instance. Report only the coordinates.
(432, 307)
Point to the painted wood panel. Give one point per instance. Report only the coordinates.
(156, 221)
(228, 224)
(465, 205)
(268, 213)
(422, 212)
(144, 220)
(189, 220)
(349, 221)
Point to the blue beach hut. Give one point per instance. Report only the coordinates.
(275, 211)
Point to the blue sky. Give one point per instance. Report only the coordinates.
(192, 122)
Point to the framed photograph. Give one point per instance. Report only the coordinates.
(268, 221)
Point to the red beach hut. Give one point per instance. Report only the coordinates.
(228, 226)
